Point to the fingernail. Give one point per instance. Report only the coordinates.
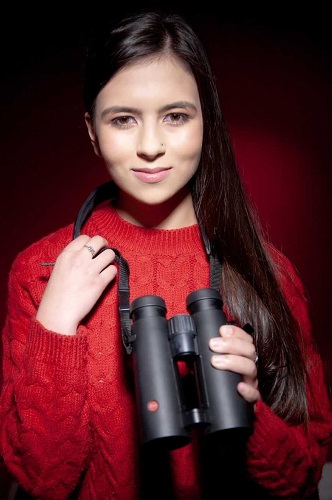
(214, 343)
(219, 360)
(227, 330)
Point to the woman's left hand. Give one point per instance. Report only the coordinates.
(235, 351)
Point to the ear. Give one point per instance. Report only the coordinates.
(92, 134)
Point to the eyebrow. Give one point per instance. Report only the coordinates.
(168, 107)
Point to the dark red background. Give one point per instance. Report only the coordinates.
(274, 77)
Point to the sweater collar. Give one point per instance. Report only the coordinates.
(125, 235)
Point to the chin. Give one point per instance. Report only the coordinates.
(155, 199)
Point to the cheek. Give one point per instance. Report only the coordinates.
(114, 147)
(191, 145)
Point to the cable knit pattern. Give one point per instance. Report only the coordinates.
(67, 403)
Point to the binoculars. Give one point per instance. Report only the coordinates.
(168, 408)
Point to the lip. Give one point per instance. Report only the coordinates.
(151, 175)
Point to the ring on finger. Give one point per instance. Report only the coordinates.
(90, 249)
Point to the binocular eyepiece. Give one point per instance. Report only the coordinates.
(167, 408)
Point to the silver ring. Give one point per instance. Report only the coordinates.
(91, 249)
(256, 358)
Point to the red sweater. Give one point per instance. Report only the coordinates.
(67, 408)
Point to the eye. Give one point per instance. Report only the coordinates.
(123, 121)
(176, 118)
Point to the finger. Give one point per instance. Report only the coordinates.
(248, 392)
(234, 331)
(237, 364)
(233, 345)
(79, 242)
(94, 245)
(108, 274)
(103, 260)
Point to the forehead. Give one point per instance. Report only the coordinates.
(162, 61)
(157, 76)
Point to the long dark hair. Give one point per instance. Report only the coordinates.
(249, 282)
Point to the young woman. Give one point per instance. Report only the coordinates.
(69, 425)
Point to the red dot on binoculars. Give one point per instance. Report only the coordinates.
(152, 406)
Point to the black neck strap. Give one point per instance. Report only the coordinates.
(107, 191)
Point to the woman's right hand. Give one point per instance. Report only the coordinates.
(79, 277)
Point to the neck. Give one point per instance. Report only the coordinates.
(175, 213)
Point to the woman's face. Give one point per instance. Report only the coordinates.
(148, 128)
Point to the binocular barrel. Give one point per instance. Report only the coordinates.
(227, 409)
(159, 405)
(159, 344)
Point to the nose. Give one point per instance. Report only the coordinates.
(150, 143)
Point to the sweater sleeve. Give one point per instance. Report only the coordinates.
(287, 460)
(44, 427)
